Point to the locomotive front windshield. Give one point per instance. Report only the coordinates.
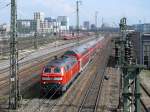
(69, 53)
(52, 70)
(47, 70)
(57, 70)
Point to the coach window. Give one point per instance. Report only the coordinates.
(47, 70)
(57, 70)
(74, 61)
(69, 53)
(68, 66)
(65, 68)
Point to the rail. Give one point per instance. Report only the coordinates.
(97, 81)
(142, 102)
(43, 59)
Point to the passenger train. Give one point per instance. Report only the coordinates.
(59, 73)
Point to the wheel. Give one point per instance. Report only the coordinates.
(42, 93)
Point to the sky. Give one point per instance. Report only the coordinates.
(110, 10)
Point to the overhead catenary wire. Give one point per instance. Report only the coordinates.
(3, 1)
(5, 6)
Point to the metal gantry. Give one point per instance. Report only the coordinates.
(130, 93)
(14, 82)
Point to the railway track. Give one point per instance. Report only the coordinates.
(33, 68)
(32, 60)
(27, 80)
(21, 64)
(36, 62)
(90, 102)
(76, 90)
(25, 43)
(36, 59)
(26, 76)
(146, 94)
(95, 88)
(46, 105)
(75, 96)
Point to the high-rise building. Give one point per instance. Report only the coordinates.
(4, 29)
(145, 28)
(93, 27)
(141, 46)
(39, 16)
(43, 25)
(49, 19)
(86, 25)
(145, 49)
(64, 22)
(26, 26)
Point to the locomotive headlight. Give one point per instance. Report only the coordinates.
(62, 71)
(47, 78)
(58, 78)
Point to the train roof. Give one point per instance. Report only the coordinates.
(90, 44)
(80, 49)
(83, 48)
(61, 61)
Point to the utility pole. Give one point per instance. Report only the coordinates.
(14, 81)
(102, 24)
(77, 26)
(96, 30)
(35, 38)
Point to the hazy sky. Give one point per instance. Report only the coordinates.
(110, 10)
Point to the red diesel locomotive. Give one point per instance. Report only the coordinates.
(58, 74)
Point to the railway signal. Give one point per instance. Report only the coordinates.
(130, 96)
